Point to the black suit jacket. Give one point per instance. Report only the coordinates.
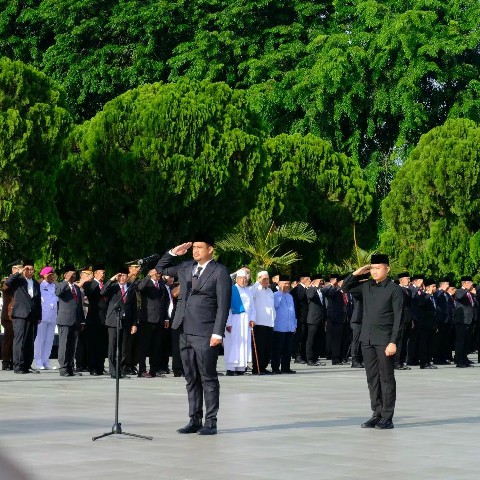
(317, 312)
(128, 309)
(425, 311)
(465, 313)
(443, 311)
(70, 312)
(336, 308)
(202, 311)
(97, 306)
(155, 301)
(24, 305)
(300, 300)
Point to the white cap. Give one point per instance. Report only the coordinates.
(241, 273)
(262, 273)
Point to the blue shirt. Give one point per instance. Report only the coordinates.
(285, 319)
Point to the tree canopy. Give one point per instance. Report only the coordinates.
(33, 124)
(431, 212)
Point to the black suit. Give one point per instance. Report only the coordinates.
(401, 355)
(153, 313)
(336, 320)
(202, 310)
(443, 320)
(463, 319)
(317, 314)
(412, 349)
(356, 326)
(69, 318)
(300, 300)
(26, 313)
(95, 326)
(426, 307)
(128, 318)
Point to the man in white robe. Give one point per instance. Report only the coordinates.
(241, 319)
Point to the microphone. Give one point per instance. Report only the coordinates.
(147, 259)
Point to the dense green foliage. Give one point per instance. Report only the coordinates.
(310, 93)
(369, 76)
(432, 210)
(33, 124)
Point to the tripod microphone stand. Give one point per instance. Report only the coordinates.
(117, 426)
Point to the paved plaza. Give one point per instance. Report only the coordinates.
(285, 427)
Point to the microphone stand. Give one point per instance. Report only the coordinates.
(117, 426)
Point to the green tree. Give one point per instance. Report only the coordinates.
(157, 164)
(310, 182)
(431, 212)
(33, 124)
(265, 243)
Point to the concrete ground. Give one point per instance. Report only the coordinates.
(285, 427)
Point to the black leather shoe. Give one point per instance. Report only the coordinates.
(210, 428)
(95, 374)
(230, 373)
(289, 371)
(178, 374)
(64, 374)
(357, 365)
(461, 365)
(276, 372)
(371, 422)
(265, 372)
(193, 426)
(300, 360)
(384, 424)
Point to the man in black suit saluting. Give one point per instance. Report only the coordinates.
(201, 316)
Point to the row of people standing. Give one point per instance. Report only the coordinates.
(85, 313)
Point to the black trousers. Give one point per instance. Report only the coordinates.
(200, 365)
(7, 341)
(282, 343)
(300, 341)
(401, 355)
(356, 351)
(177, 365)
(313, 351)
(441, 343)
(263, 342)
(336, 337)
(81, 350)
(412, 348)
(123, 340)
(24, 330)
(94, 335)
(67, 341)
(149, 337)
(165, 347)
(462, 340)
(381, 379)
(425, 338)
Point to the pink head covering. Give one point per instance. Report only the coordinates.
(45, 271)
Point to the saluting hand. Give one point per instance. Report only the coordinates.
(181, 249)
(362, 270)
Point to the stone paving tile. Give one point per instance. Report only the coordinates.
(303, 426)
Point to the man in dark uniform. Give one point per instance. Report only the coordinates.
(401, 355)
(95, 320)
(26, 315)
(317, 315)
(463, 319)
(416, 288)
(121, 300)
(7, 307)
(202, 312)
(336, 317)
(356, 325)
(153, 317)
(299, 294)
(443, 323)
(382, 321)
(426, 307)
(69, 318)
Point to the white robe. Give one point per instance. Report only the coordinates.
(238, 343)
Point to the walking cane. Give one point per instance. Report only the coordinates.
(255, 350)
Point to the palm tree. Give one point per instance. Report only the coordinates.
(264, 243)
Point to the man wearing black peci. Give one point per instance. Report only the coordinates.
(381, 323)
(26, 315)
(201, 316)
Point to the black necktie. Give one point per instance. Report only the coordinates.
(195, 277)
